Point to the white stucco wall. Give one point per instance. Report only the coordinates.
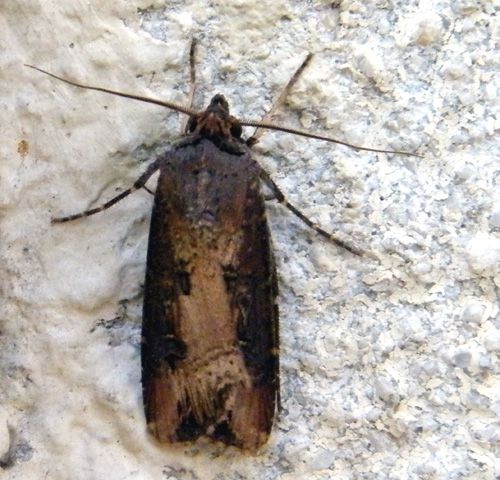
(390, 369)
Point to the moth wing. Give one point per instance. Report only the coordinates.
(254, 298)
(210, 334)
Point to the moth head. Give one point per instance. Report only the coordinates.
(215, 122)
(219, 103)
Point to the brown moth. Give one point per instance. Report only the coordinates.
(210, 322)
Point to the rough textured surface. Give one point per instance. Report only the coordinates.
(390, 369)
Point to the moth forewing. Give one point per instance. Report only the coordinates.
(209, 323)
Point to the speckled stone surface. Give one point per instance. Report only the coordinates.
(390, 366)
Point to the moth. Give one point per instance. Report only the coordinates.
(210, 337)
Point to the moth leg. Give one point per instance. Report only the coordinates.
(258, 132)
(148, 190)
(139, 183)
(192, 80)
(269, 196)
(280, 197)
(192, 88)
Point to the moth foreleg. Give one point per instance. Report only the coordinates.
(148, 190)
(139, 183)
(192, 81)
(280, 197)
(280, 100)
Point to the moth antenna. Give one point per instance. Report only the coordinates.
(154, 101)
(294, 131)
(246, 123)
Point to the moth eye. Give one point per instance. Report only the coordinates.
(236, 131)
(191, 125)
